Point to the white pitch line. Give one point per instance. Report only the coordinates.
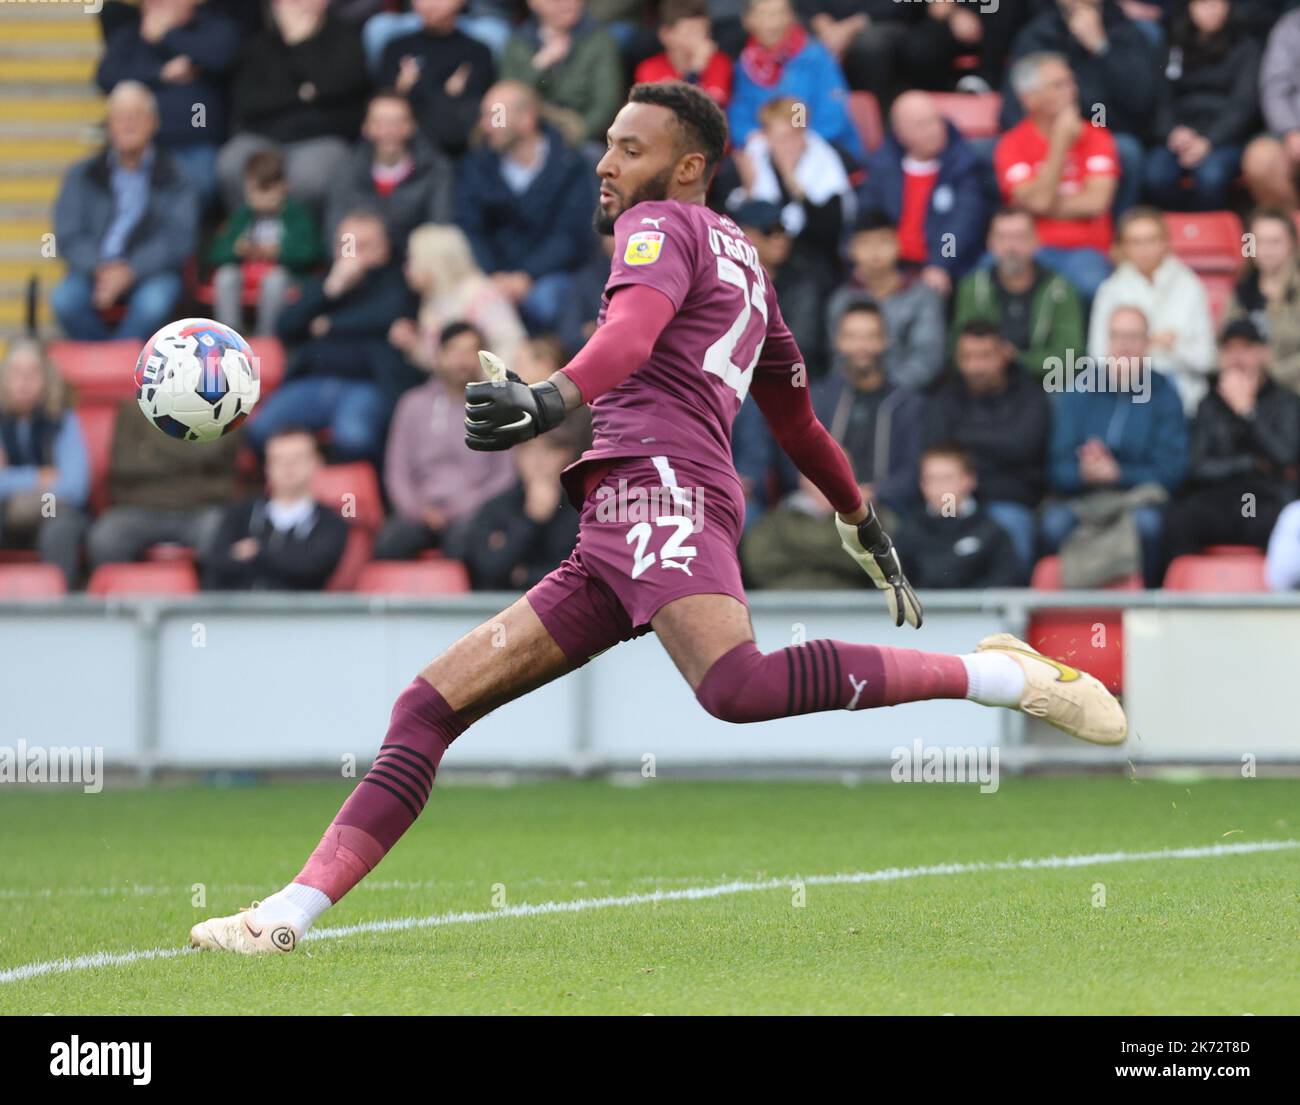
(696, 893)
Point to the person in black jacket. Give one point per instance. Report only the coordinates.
(1209, 108)
(1244, 445)
(522, 534)
(443, 72)
(1001, 416)
(344, 375)
(301, 85)
(1116, 70)
(954, 543)
(283, 540)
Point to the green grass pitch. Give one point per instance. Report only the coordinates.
(115, 872)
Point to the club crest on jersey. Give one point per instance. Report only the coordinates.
(643, 247)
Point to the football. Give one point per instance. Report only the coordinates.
(196, 379)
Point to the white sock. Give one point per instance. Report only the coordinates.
(993, 679)
(296, 904)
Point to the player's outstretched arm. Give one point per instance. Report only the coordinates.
(789, 412)
(503, 411)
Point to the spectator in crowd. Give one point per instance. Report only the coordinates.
(44, 473)
(689, 53)
(878, 423)
(394, 173)
(538, 359)
(1282, 562)
(161, 490)
(794, 546)
(800, 174)
(1171, 296)
(1120, 431)
(432, 480)
(1114, 83)
(1271, 163)
(344, 375)
(865, 38)
(1061, 169)
(125, 222)
(1209, 105)
(522, 533)
(937, 51)
(576, 321)
(573, 64)
(999, 414)
(926, 179)
(780, 59)
(1244, 448)
(440, 269)
(954, 542)
(1268, 292)
(301, 88)
(443, 72)
(485, 21)
(270, 241)
(525, 201)
(181, 51)
(1036, 311)
(912, 310)
(283, 540)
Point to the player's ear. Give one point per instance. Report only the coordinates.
(690, 169)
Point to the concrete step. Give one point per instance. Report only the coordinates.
(42, 188)
(26, 110)
(55, 32)
(27, 70)
(20, 270)
(23, 229)
(47, 151)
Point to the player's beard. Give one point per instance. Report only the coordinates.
(656, 188)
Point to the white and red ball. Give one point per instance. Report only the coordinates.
(197, 379)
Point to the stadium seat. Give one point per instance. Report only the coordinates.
(169, 553)
(1047, 577)
(31, 581)
(270, 362)
(353, 491)
(864, 110)
(975, 115)
(413, 577)
(151, 578)
(97, 422)
(357, 552)
(19, 556)
(1218, 290)
(1209, 241)
(101, 371)
(1229, 572)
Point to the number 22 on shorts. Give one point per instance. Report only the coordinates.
(673, 554)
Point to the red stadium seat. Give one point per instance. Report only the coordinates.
(1230, 572)
(169, 553)
(150, 578)
(975, 115)
(19, 556)
(270, 362)
(356, 555)
(101, 371)
(413, 577)
(864, 110)
(1047, 577)
(97, 422)
(352, 490)
(31, 581)
(1218, 290)
(1209, 241)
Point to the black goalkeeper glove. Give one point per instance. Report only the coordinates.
(872, 548)
(502, 411)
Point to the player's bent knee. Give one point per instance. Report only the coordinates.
(725, 689)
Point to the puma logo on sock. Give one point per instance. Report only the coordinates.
(857, 691)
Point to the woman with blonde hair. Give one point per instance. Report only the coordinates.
(441, 269)
(44, 473)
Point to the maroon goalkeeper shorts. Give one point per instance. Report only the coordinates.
(652, 530)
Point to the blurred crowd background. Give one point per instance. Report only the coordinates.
(1040, 257)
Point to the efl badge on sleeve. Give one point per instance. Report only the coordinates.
(643, 247)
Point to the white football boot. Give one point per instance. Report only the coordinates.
(1072, 700)
(241, 933)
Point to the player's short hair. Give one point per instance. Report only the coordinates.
(264, 169)
(673, 11)
(871, 220)
(453, 330)
(978, 328)
(950, 450)
(703, 125)
(1140, 214)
